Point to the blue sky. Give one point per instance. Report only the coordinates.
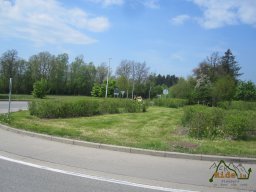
(171, 36)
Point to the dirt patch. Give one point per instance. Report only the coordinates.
(180, 131)
(183, 145)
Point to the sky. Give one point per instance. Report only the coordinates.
(171, 36)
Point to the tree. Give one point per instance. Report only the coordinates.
(141, 73)
(75, 76)
(203, 89)
(41, 65)
(98, 90)
(184, 89)
(223, 89)
(87, 78)
(9, 62)
(151, 82)
(204, 68)
(21, 82)
(124, 73)
(101, 73)
(58, 74)
(229, 66)
(40, 89)
(246, 91)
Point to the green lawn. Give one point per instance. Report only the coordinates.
(18, 97)
(158, 129)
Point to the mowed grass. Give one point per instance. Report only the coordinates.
(159, 129)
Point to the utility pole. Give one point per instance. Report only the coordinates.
(133, 76)
(106, 95)
(10, 93)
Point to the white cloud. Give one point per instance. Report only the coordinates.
(107, 3)
(152, 4)
(177, 56)
(219, 13)
(47, 21)
(180, 19)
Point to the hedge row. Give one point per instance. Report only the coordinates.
(170, 102)
(239, 105)
(212, 122)
(82, 108)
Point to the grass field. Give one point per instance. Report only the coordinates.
(159, 129)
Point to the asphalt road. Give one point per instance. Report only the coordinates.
(15, 106)
(18, 178)
(112, 169)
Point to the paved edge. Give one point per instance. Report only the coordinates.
(130, 149)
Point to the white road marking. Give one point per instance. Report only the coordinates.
(93, 177)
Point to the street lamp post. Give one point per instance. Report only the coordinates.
(106, 95)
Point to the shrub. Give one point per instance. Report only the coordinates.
(238, 125)
(246, 91)
(40, 89)
(239, 105)
(170, 102)
(203, 121)
(212, 122)
(80, 108)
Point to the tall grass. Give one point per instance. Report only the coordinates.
(239, 105)
(212, 122)
(170, 102)
(84, 107)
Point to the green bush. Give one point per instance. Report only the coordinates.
(40, 89)
(239, 125)
(81, 108)
(5, 118)
(170, 102)
(203, 121)
(212, 122)
(239, 105)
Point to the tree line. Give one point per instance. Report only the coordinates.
(215, 79)
(78, 77)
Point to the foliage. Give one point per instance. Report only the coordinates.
(99, 90)
(203, 89)
(246, 91)
(184, 89)
(229, 66)
(217, 78)
(170, 102)
(85, 107)
(223, 89)
(239, 125)
(131, 76)
(11, 66)
(203, 122)
(5, 118)
(212, 122)
(168, 80)
(239, 105)
(40, 89)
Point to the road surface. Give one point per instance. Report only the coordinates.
(28, 163)
(18, 178)
(15, 106)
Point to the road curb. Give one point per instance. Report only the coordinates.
(130, 149)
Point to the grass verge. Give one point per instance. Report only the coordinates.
(157, 129)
